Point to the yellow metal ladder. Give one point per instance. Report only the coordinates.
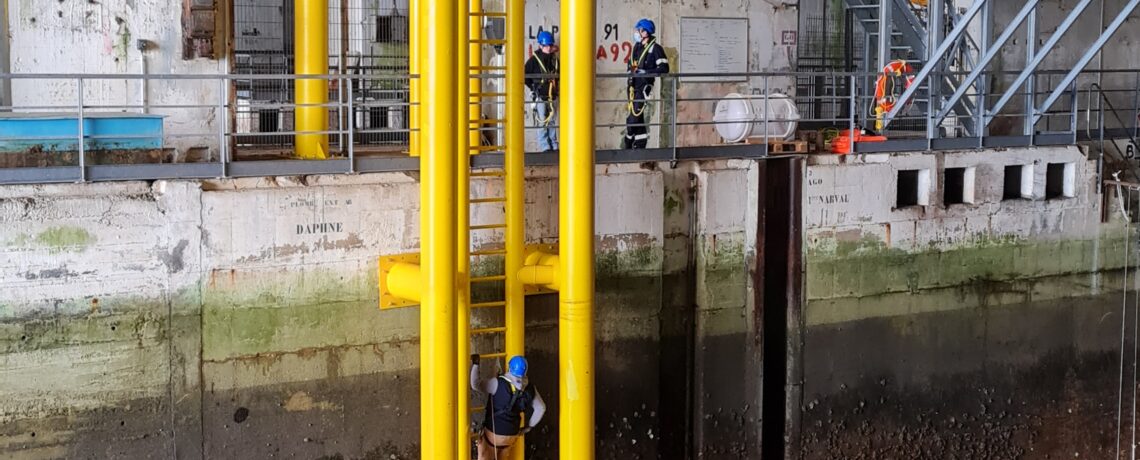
(500, 289)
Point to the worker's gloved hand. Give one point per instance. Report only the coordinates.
(475, 359)
(640, 71)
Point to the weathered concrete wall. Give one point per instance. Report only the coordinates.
(238, 318)
(77, 37)
(99, 37)
(981, 330)
(766, 52)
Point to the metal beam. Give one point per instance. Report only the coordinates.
(1040, 56)
(931, 63)
(886, 27)
(1084, 61)
(993, 50)
(935, 14)
(1031, 83)
(980, 102)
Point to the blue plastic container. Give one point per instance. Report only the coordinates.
(59, 132)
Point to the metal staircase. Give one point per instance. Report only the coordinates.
(911, 27)
(934, 37)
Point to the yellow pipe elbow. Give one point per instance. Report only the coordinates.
(540, 269)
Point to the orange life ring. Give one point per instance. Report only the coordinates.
(896, 77)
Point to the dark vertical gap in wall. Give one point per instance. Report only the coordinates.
(777, 293)
(676, 379)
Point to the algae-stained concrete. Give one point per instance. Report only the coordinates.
(976, 330)
(238, 318)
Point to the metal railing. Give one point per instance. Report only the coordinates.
(211, 124)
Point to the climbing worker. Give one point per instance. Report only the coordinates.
(509, 397)
(542, 79)
(647, 61)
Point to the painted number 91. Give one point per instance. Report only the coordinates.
(611, 31)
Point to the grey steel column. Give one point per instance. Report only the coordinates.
(1031, 83)
(885, 31)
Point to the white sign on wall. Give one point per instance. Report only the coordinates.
(714, 45)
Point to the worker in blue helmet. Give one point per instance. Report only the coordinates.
(647, 61)
(542, 79)
(510, 397)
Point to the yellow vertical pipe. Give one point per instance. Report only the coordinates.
(463, 235)
(414, 24)
(513, 165)
(576, 234)
(437, 233)
(311, 38)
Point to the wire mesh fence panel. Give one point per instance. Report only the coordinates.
(365, 38)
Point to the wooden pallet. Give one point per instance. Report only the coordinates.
(781, 147)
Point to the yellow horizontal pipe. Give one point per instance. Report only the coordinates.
(405, 282)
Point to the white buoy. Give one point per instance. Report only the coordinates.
(739, 117)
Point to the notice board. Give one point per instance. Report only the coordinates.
(714, 45)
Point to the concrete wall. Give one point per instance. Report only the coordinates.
(239, 318)
(984, 330)
(82, 37)
(76, 37)
(766, 52)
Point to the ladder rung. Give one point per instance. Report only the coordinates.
(493, 355)
(474, 409)
(488, 148)
(489, 174)
(498, 303)
(487, 121)
(489, 41)
(484, 68)
(489, 14)
(489, 200)
(488, 226)
(487, 95)
(489, 330)
(488, 279)
(489, 252)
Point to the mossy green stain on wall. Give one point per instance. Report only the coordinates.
(867, 267)
(672, 202)
(640, 261)
(56, 239)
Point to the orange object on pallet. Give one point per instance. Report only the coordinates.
(843, 144)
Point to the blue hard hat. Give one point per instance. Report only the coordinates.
(646, 25)
(545, 38)
(517, 366)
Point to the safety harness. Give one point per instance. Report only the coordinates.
(549, 97)
(516, 393)
(637, 63)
